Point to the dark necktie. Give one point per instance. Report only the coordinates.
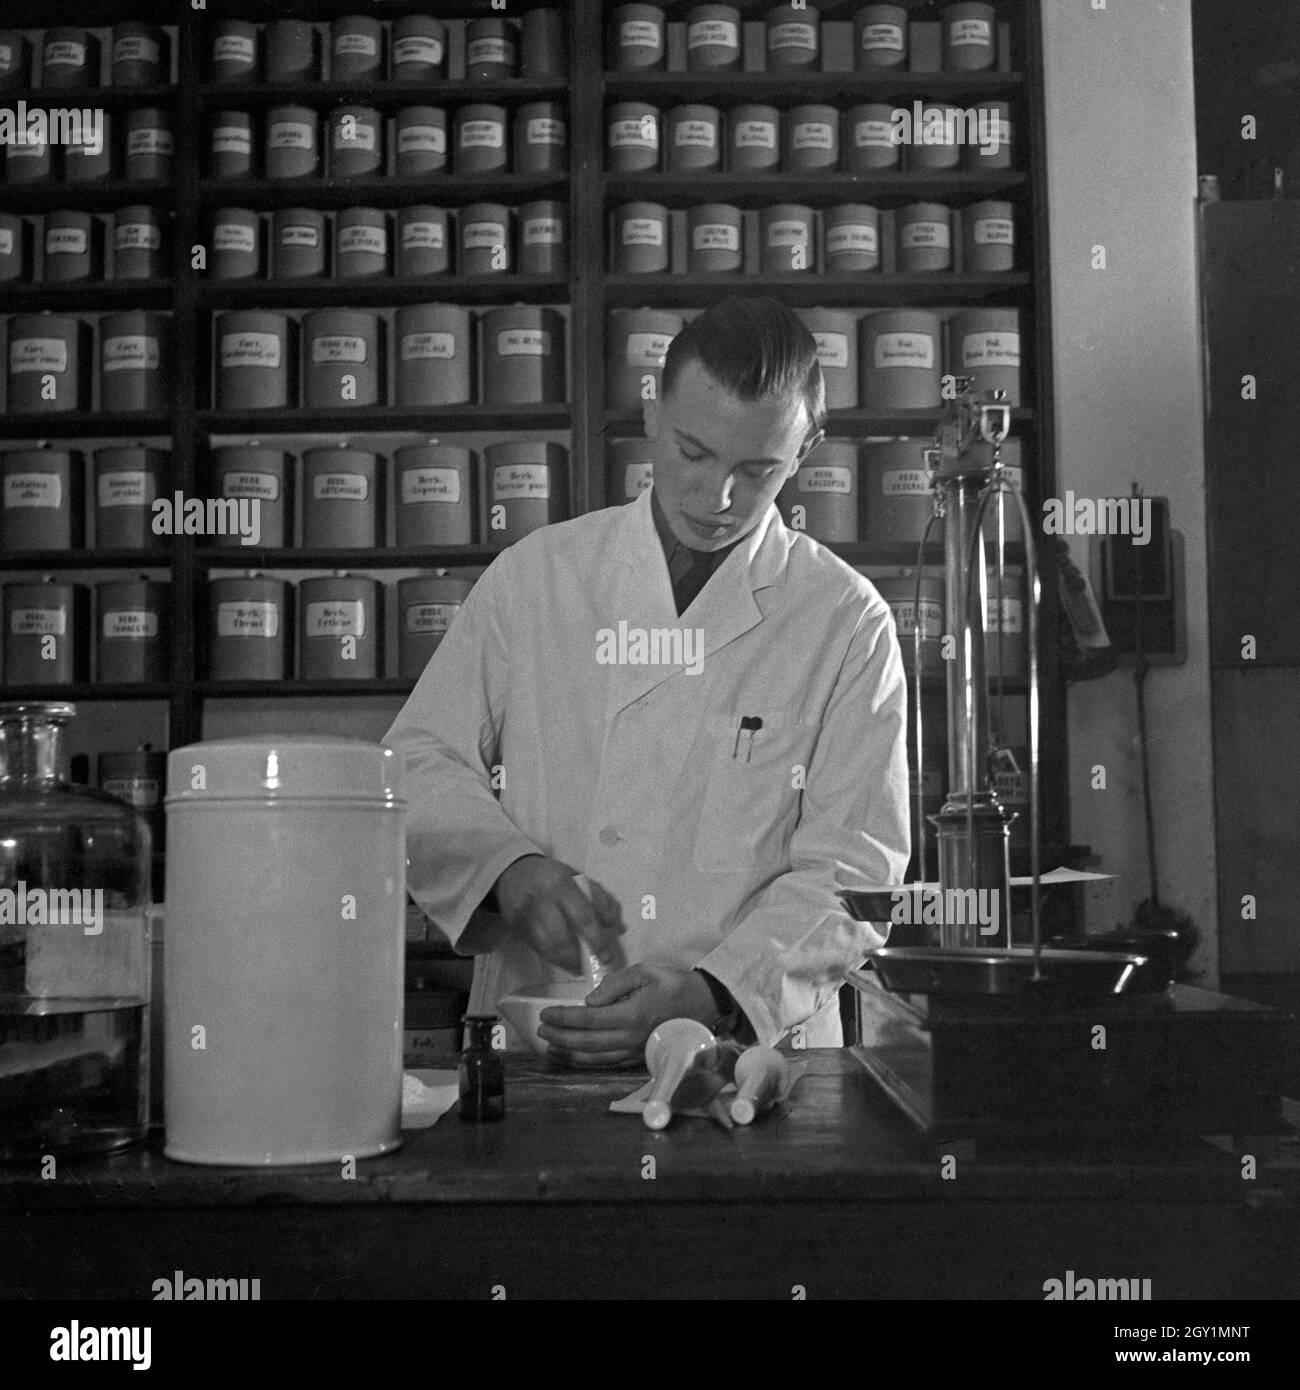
(689, 571)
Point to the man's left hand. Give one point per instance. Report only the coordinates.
(613, 1023)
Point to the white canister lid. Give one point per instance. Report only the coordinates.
(284, 770)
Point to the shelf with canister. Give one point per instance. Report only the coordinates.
(88, 65)
(523, 144)
(114, 634)
(439, 365)
(875, 141)
(76, 258)
(387, 501)
(368, 255)
(754, 38)
(86, 374)
(489, 54)
(325, 633)
(917, 252)
(96, 155)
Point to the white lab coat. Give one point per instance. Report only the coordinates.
(721, 856)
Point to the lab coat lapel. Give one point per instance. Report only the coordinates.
(723, 610)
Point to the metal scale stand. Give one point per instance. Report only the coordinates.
(976, 1039)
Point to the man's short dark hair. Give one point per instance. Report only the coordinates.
(757, 348)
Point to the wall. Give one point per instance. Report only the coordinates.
(1121, 155)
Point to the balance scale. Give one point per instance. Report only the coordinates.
(978, 1040)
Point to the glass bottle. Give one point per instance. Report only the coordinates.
(482, 1073)
(74, 956)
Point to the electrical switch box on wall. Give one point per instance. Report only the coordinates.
(1139, 579)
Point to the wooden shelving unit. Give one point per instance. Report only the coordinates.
(587, 292)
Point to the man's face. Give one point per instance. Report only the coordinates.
(720, 461)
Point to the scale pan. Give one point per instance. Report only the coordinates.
(1067, 976)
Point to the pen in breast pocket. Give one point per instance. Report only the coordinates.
(750, 724)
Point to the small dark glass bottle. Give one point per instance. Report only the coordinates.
(482, 1073)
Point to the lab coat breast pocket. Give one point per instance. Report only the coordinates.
(752, 793)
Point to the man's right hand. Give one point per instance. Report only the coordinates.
(540, 902)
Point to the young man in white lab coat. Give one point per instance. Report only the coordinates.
(701, 711)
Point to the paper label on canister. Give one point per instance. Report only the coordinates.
(370, 240)
(417, 48)
(1012, 613)
(354, 135)
(299, 234)
(65, 53)
(642, 132)
(340, 487)
(250, 350)
(423, 236)
(264, 486)
(139, 791)
(422, 139)
(904, 482)
(127, 488)
(430, 485)
(905, 617)
(918, 234)
(852, 236)
(291, 135)
(914, 350)
(544, 130)
(967, 31)
(643, 231)
(38, 355)
(417, 347)
(482, 234)
(703, 133)
(1012, 788)
(787, 233)
(636, 478)
(137, 236)
(6, 241)
(524, 342)
(639, 33)
(715, 236)
(487, 134)
(6, 57)
(338, 347)
(232, 139)
(335, 618)
(37, 149)
(150, 140)
(994, 231)
(66, 241)
(813, 135)
(33, 490)
(792, 35)
(991, 349)
(430, 617)
(873, 135)
(136, 48)
(719, 33)
(543, 231)
(356, 45)
(824, 478)
(134, 624)
(248, 618)
(38, 622)
(521, 480)
(754, 135)
(647, 349)
(882, 36)
(234, 48)
(132, 352)
(234, 236)
(832, 349)
(489, 50)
